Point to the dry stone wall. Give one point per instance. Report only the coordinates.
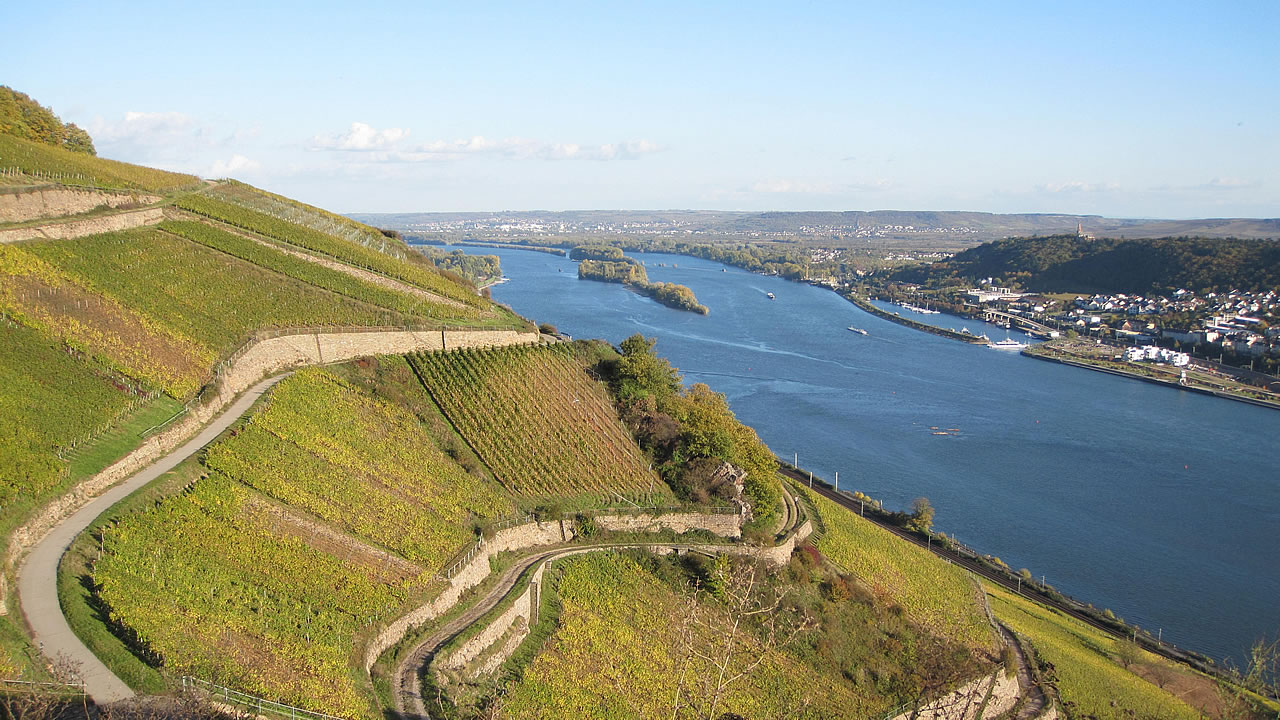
(471, 574)
(88, 226)
(262, 359)
(524, 608)
(58, 202)
(725, 525)
(987, 697)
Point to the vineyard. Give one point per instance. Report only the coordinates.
(325, 513)
(68, 306)
(307, 272)
(353, 254)
(190, 291)
(42, 417)
(614, 657)
(361, 464)
(540, 422)
(312, 217)
(49, 162)
(1084, 673)
(208, 582)
(934, 594)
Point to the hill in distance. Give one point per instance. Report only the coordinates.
(893, 228)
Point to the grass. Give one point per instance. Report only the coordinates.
(1090, 682)
(123, 438)
(935, 594)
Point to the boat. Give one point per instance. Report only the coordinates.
(771, 296)
(1006, 344)
(860, 331)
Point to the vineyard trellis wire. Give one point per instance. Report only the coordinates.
(254, 703)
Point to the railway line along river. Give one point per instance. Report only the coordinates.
(1163, 506)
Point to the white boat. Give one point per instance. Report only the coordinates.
(860, 331)
(1006, 344)
(771, 297)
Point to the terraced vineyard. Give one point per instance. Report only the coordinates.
(1088, 679)
(325, 244)
(543, 426)
(308, 272)
(936, 595)
(181, 295)
(81, 169)
(326, 513)
(613, 657)
(361, 464)
(210, 582)
(312, 217)
(43, 418)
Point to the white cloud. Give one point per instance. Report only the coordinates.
(387, 146)
(237, 163)
(146, 128)
(1230, 183)
(1076, 186)
(361, 137)
(793, 186)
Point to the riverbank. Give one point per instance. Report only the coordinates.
(1053, 353)
(865, 304)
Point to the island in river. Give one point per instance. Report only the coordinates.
(609, 264)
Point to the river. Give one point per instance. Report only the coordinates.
(1161, 505)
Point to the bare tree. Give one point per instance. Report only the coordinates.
(725, 637)
(1238, 696)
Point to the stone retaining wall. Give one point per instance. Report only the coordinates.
(986, 697)
(57, 202)
(524, 608)
(262, 359)
(471, 574)
(725, 525)
(88, 226)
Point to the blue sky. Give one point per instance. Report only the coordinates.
(1165, 109)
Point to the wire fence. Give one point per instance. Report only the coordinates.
(253, 703)
(33, 686)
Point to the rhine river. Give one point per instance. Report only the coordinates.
(1163, 506)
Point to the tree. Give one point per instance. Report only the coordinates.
(1127, 652)
(640, 372)
(921, 515)
(725, 641)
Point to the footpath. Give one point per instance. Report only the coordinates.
(45, 538)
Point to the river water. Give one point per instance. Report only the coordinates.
(1163, 506)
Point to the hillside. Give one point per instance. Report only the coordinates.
(1066, 263)
(420, 451)
(111, 340)
(915, 229)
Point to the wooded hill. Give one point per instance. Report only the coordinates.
(1066, 263)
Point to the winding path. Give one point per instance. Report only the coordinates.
(38, 576)
(408, 673)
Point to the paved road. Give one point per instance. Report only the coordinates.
(38, 575)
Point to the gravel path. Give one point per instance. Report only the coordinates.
(38, 575)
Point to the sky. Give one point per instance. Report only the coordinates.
(1125, 109)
